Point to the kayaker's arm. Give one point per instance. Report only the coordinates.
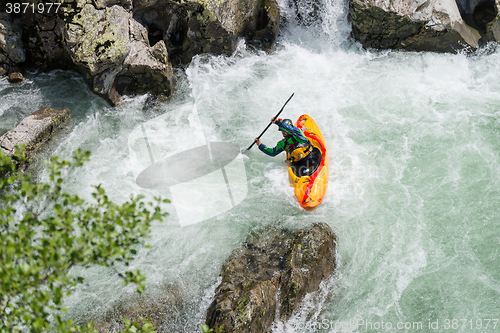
(273, 151)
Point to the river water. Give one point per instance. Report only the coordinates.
(414, 190)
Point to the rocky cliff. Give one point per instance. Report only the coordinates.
(425, 25)
(128, 47)
(12, 51)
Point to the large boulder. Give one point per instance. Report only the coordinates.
(422, 25)
(112, 51)
(271, 274)
(34, 130)
(146, 68)
(189, 28)
(98, 39)
(251, 19)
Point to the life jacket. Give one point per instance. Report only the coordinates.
(295, 151)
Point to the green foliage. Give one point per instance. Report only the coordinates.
(45, 231)
(206, 329)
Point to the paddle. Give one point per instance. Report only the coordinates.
(269, 123)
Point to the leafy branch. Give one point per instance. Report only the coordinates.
(45, 231)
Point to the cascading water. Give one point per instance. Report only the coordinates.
(414, 144)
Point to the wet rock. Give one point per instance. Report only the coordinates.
(11, 45)
(112, 51)
(145, 69)
(158, 308)
(194, 27)
(492, 27)
(34, 130)
(15, 77)
(269, 277)
(483, 16)
(253, 20)
(96, 38)
(423, 25)
(143, 4)
(44, 41)
(3, 69)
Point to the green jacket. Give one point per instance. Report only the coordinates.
(289, 143)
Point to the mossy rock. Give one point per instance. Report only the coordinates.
(388, 24)
(15, 77)
(99, 38)
(276, 262)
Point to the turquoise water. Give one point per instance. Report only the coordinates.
(414, 178)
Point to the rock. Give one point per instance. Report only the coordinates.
(98, 39)
(422, 25)
(34, 130)
(101, 4)
(283, 265)
(44, 41)
(3, 70)
(143, 4)
(112, 51)
(247, 18)
(146, 69)
(11, 45)
(15, 77)
(208, 26)
(160, 307)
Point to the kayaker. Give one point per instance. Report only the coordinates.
(299, 151)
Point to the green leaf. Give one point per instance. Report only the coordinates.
(206, 329)
(38, 250)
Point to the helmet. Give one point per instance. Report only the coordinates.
(286, 121)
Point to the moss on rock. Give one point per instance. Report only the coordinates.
(102, 37)
(34, 130)
(270, 264)
(435, 30)
(210, 26)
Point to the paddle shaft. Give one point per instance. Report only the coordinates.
(264, 131)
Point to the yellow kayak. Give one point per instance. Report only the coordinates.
(310, 190)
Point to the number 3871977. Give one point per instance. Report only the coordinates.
(26, 7)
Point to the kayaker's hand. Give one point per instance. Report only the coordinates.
(273, 120)
(257, 140)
